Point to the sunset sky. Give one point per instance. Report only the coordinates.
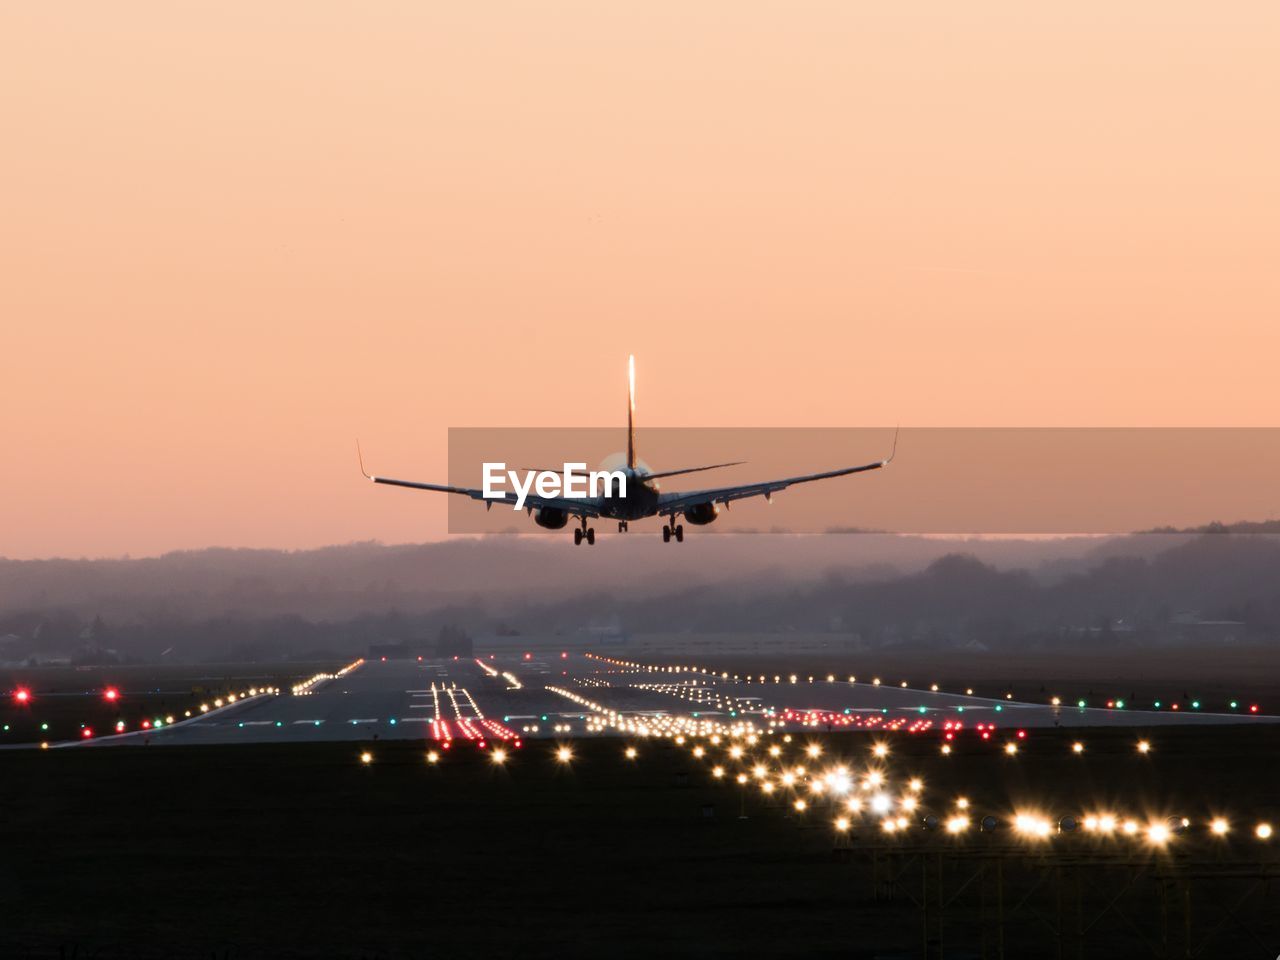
(236, 236)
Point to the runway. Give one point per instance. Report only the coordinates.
(518, 697)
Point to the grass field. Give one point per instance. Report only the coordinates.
(304, 851)
(65, 701)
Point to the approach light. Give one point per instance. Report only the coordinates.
(631, 753)
(498, 756)
(1262, 831)
(1219, 827)
(1144, 746)
(957, 824)
(433, 757)
(1077, 747)
(366, 758)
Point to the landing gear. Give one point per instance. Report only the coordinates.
(591, 536)
(679, 533)
(584, 533)
(577, 536)
(622, 526)
(666, 533)
(673, 530)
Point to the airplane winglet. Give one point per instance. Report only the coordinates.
(894, 452)
(360, 458)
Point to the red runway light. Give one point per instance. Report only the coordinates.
(86, 732)
(1253, 708)
(1022, 734)
(22, 695)
(111, 693)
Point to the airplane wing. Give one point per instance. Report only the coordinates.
(585, 507)
(679, 502)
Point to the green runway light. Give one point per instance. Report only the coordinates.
(1195, 704)
(279, 724)
(1157, 704)
(6, 728)
(1119, 704)
(999, 708)
(393, 721)
(959, 709)
(240, 724)
(1233, 706)
(1080, 703)
(316, 722)
(921, 709)
(44, 726)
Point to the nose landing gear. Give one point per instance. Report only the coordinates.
(622, 526)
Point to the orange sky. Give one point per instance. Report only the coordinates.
(235, 236)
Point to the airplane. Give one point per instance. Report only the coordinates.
(641, 496)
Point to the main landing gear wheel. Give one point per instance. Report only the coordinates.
(584, 533)
(679, 533)
(669, 531)
(591, 535)
(577, 536)
(666, 534)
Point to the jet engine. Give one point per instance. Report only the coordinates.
(552, 518)
(702, 514)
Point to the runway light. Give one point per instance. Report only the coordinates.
(1262, 831)
(915, 785)
(813, 750)
(498, 756)
(1011, 748)
(433, 757)
(880, 750)
(957, 824)
(962, 803)
(842, 824)
(1158, 833)
(366, 758)
(631, 753)
(1144, 746)
(717, 772)
(111, 693)
(800, 805)
(1219, 827)
(1077, 747)
(946, 749)
(22, 695)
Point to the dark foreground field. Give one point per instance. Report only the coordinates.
(302, 851)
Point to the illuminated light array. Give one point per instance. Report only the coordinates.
(308, 686)
(635, 667)
(513, 682)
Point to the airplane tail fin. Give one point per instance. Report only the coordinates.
(631, 412)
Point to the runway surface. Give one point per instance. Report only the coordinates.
(515, 698)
